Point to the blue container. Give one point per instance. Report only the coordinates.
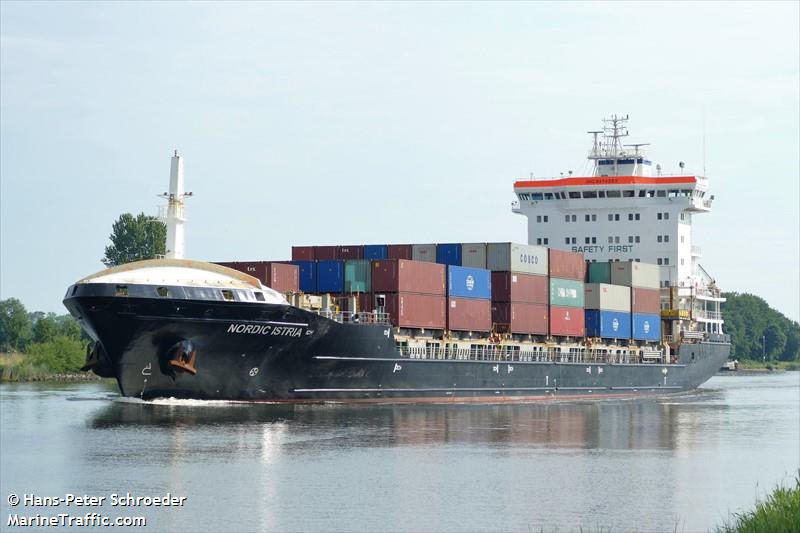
(308, 275)
(448, 254)
(466, 282)
(608, 324)
(646, 327)
(330, 276)
(376, 251)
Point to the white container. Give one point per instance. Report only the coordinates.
(635, 274)
(513, 257)
(605, 297)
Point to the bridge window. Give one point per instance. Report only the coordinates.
(590, 194)
(661, 194)
(627, 194)
(642, 193)
(259, 296)
(227, 294)
(601, 194)
(537, 196)
(548, 196)
(614, 194)
(162, 291)
(573, 194)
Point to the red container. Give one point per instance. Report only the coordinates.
(469, 314)
(303, 253)
(282, 277)
(401, 275)
(230, 264)
(647, 301)
(567, 321)
(350, 252)
(520, 318)
(567, 265)
(516, 287)
(399, 251)
(416, 310)
(325, 253)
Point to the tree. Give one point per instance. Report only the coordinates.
(45, 328)
(135, 238)
(774, 341)
(15, 325)
(791, 351)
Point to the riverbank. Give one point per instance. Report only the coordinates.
(17, 368)
(751, 365)
(779, 513)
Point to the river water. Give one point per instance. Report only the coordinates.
(676, 463)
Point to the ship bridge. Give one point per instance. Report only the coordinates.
(624, 210)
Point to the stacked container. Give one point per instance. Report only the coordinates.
(423, 252)
(608, 310)
(469, 299)
(330, 276)
(357, 275)
(473, 255)
(567, 271)
(282, 277)
(303, 253)
(520, 293)
(644, 280)
(448, 254)
(307, 275)
(376, 251)
(413, 292)
(399, 251)
(598, 272)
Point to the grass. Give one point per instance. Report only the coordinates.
(17, 367)
(779, 513)
(754, 364)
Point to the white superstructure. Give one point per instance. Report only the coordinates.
(624, 211)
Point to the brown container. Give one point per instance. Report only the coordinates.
(350, 252)
(469, 314)
(303, 253)
(282, 277)
(520, 318)
(325, 253)
(515, 287)
(399, 251)
(401, 275)
(567, 265)
(646, 301)
(416, 310)
(366, 302)
(252, 268)
(567, 321)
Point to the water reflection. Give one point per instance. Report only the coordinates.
(264, 428)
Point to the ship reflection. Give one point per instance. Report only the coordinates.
(624, 425)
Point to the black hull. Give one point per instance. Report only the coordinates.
(279, 353)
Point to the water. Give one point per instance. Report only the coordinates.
(677, 463)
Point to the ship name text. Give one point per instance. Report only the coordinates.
(258, 329)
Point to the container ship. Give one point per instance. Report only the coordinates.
(607, 299)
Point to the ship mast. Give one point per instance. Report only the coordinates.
(175, 218)
(610, 146)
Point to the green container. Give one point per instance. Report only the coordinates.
(566, 293)
(599, 272)
(357, 275)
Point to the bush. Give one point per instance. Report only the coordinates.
(62, 354)
(779, 513)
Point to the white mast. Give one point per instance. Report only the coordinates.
(175, 209)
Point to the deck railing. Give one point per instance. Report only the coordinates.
(510, 353)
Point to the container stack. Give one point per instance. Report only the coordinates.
(520, 294)
(608, 310)
(281, 277)
(412, 292)
(469, 298)
(644, 279)
(567, 272)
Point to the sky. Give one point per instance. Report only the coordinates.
(346, 123)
